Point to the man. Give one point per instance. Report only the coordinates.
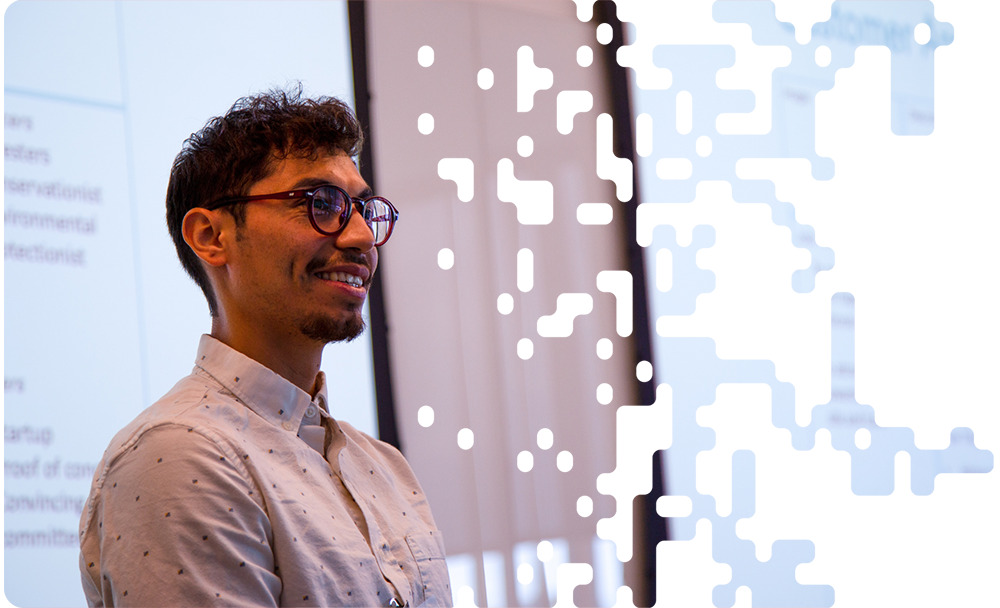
(237, 487)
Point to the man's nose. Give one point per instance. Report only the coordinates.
(357, 234)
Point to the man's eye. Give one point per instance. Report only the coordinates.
(326, 207)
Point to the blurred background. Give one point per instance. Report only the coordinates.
(706, 273)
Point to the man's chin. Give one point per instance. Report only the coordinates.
(326, 330)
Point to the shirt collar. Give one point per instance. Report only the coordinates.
(268, 394)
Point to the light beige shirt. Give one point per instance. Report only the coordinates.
(211, 497)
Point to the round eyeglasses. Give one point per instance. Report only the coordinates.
(330, 209)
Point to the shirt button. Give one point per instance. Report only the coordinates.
(310, 412)
(287, 425)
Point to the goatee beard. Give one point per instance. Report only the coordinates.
(326, 330)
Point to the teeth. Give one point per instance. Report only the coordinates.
(343, 277)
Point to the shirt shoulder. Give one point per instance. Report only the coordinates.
(197, 405)
(182, 405)
(375, 448)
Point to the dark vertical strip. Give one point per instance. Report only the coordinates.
(624, 147)
(384, 403)
(653, 528)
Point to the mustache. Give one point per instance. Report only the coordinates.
(342, 257)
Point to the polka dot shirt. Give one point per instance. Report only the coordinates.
(237, 488)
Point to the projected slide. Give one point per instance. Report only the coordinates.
(70, 308)
(99, 318)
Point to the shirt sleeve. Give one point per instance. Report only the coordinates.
(180, 525)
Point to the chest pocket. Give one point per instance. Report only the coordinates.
(427, 549)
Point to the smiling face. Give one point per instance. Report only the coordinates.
(285, 280)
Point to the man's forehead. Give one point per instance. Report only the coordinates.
(293, 172)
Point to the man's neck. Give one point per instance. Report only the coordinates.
(296, 359)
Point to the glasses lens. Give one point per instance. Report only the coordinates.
(330, 207)
(380, 215)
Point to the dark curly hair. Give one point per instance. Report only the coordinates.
(233, 152)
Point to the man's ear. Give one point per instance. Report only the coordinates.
(203, 231)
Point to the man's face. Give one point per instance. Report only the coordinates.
(288, 280)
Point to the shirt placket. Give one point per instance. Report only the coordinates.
(353, 478)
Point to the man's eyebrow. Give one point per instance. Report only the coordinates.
(309, 182)
(312, 182)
